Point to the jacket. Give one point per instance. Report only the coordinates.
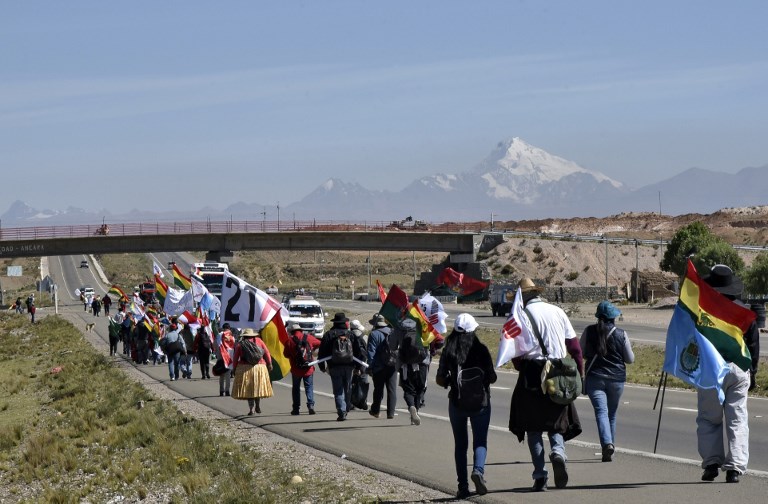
(326, 346)
(291, 352)
(613, 365)
(465, 350)
(375, 349)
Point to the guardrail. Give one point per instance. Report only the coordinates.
(222, 227)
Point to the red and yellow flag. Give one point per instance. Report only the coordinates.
(118, 292)
(161, 290)
(180, 279)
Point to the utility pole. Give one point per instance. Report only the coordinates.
(278, 216)
(637, 272)
(606, 266)
(369, 272)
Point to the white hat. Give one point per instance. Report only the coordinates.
(465, 323)
(355, 324)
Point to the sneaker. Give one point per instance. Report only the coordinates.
(294, 412)
(390, 417)
(463, 493)
(415, 419)
(608, 452)
(221, 393)
(710, 472)
(539, 485)
(732, 476)
(479, 482)
(226, 392)
(311, 411)
(341, 417)
(558, 466)
(374, 415)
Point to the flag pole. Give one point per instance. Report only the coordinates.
(661, 408)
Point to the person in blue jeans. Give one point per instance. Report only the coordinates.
(298, 344)
(465, 359)
(174, 347)
(607, 351)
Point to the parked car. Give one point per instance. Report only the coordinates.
(84, 264)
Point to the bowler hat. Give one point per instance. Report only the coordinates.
(722, 279)
(339, 317)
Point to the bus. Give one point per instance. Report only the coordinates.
(211, 274)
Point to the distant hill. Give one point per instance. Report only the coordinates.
(516, 179)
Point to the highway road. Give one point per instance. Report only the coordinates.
(423, 453)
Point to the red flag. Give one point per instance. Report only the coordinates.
(394, 307)
(382, 294)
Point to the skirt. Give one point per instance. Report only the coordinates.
(251, 382)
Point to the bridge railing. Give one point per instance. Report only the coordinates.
(223, 227)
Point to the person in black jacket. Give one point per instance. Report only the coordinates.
(338, 350)
(464, 361)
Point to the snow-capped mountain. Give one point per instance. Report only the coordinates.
(515, 181)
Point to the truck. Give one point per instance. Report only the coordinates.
(501, 297)
(307, 312)
(211, 274)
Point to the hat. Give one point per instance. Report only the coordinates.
(355, 324)
(722, 279)
(249, 333)
(527, 285)
(378, 320)
(408, 324)
(339, 317)
(294, 326)
(465, 323)
(606, 310)
(225, 326)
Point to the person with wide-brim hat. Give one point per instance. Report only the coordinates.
(252, 380)
(736, 385)
(382, 360)
(533, 413)
(338, 350)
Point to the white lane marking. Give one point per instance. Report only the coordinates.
(494, 387)
(690, 410)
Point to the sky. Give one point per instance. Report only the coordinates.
(183, 104)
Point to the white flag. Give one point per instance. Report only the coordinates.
(207, 301)
(243, 305)
(434, 311)
(517, 336)
(157, 270)
(178, 301)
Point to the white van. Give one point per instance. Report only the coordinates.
(307, 312)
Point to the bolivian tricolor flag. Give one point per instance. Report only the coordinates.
(118, 292)
(717, 318)
(180, 279)
(396, 307)
(274, 335)
(161, 290)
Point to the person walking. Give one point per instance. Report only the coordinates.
(337, 349)
(383, 363)
(359, 389)
(252, 363)
(32, 310)
(202, 347)
(606, 351)
(299, 349)
(106, 301)
(466, 367)
(733, 411)
(186, 359)
(174, 348)
(414, 363)
(225, 350)
(532, 411)
(96, 306)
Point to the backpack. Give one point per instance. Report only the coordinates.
(341, 350)
(390, 348)
(303, 352)
(252, 353)
(410, 351)
(205, 341)
(470, 391)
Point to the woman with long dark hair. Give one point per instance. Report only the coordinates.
(467, 368)
(607, 351)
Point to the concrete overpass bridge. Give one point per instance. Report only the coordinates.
(220, 239)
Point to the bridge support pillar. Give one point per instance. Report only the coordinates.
(221, 256)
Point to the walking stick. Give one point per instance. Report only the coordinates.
(661, 408)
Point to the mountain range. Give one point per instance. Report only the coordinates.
(516, 181)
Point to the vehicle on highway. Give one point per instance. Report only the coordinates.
(84, 264)
(211, 274)
(307, 312)
(146, 291)
(88, 292)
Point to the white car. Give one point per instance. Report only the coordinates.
(84, 264)
(307, 312)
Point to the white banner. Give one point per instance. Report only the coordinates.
(517, 336)
(178, 301)
(434, 311)
(157, 270)
(243, 305)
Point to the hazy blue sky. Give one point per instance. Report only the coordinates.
(119, 104)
